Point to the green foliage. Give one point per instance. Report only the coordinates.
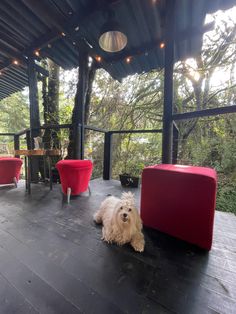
(14, 114)
(226, 194)
(134, 152)
(215, 146)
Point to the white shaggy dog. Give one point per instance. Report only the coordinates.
(121, 221)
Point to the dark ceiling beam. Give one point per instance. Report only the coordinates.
(9, 82)
(26, 13)
(14, 77)
(68, 27)
(16, 15)
(9, 52)
(7, 93)
(184, 35)
(8, 88)
(51, 36)
(15, 25)
(43, 10)
(20, 58)
(2, 96)
(15, 74)
(7, 39)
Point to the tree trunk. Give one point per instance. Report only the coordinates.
(92, 73)
(51, 106)
(84, 86)
(50, 94)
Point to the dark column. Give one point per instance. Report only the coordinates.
(28, 140)
(168, 83)
(16, 143)
(79, 110)
(34, 113)
(107, 159)
(175, 144)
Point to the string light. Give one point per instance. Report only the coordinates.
(63, 34)
(49, 46)
(98, 58)
(37, 53)
(162, 45)
(128, 59)
(77, 28)
(16, 62)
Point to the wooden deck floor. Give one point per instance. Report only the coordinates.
(52, 260)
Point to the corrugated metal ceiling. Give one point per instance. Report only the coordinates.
(26, 25)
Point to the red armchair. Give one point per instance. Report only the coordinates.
(180, 201)
(10, 170)
(74, 175)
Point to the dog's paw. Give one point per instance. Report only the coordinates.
(138, 247)
(138, 243)
(109, 241)
(97, 218)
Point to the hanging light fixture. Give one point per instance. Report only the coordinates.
(112, 38)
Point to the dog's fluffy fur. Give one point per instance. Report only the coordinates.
(121, 221)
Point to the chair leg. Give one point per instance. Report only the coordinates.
(15, 182)
(68, 195)
(89, 188)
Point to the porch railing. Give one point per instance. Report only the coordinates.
(107, 151)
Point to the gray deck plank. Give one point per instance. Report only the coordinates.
(58, 248)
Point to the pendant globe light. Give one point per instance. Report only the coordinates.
(112, 38)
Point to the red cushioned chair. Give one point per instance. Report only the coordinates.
(74, 175)
(180, 201)
(10, 170)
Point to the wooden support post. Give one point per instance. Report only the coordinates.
(28, 140)
(107, 159)
(16, 143)
(175, 144)
(79, 109)
(77, 141)
(34, 114)
(167, 134)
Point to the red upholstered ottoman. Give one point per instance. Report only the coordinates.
(180, 201)
(74, 175)
(10, 170)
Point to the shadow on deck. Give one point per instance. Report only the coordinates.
(52, 260)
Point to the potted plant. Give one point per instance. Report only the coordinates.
(130, 176)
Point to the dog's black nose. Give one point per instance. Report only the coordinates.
(125, 215)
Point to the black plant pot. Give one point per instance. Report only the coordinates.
(129, 181)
